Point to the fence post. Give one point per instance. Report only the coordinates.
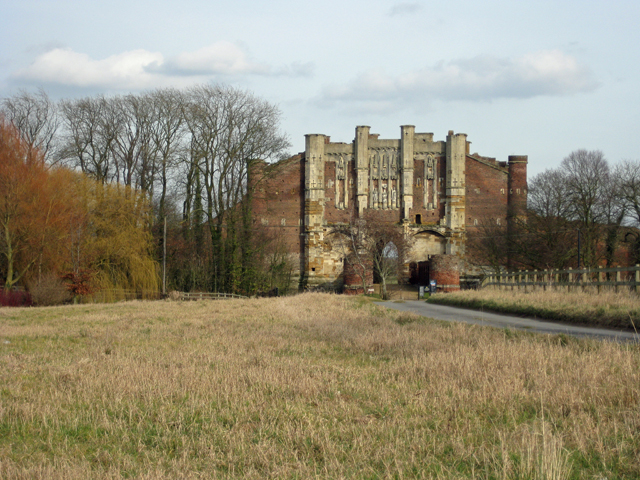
(570, 280)
(599, 278)
(636, 278)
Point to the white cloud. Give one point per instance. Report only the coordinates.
(140, 69)
(404, 8)
(483, 78)
(66, 67)
(223, 58)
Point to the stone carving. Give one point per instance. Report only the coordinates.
(430, 186)
(374, 169)
(375, 197)
(394, 197)
(385, 164)
(394, 166)
(341, 168)
(384, 195)
(430, 167)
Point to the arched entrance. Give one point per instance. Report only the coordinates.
(426, 243)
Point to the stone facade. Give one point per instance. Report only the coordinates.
(435, 190)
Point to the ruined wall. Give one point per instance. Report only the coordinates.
(278, 205)
(487, 192)
(445, 270)
(426, 243)
(435, 190)
(517, 184)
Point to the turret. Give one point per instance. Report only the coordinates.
(362, 167)
(407, 134)
(517, 185)
(314, 207)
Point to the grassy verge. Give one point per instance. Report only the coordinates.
(313, 386)
(620, 310)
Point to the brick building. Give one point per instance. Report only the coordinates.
(434, 190)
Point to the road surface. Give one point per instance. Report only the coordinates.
(456, 314)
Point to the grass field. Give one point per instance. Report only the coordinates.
(312, 386)
(609, 309)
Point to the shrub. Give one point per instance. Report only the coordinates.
(50, 290)
(15, 298)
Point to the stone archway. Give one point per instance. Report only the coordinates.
(426, 243)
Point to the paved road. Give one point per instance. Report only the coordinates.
(455, 314)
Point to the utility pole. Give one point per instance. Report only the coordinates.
(578, 249)
(164, 258)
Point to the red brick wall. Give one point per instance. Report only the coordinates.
(517, 184)
(419, 208)
(335, 215)
(353, 272)
(487, 192)
(279, 195)
(331, 213)
(445, 270)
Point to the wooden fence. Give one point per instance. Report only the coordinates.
(208, 296)
(108, 296)
(118, 295)
(595, 279)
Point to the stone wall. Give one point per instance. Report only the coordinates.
(435, 190)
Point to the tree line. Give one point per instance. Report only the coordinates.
(185, 154)
(584, 213)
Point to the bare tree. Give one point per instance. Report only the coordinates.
(168, 136)
(36, 118)
(627, 175)
(91, 129)
(487, 245)
(133, 151)
(547, 239)
(351, 241)
(586, 175)
(367, 244)
(230, 129)
(388, 245)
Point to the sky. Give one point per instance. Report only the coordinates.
(539, 78)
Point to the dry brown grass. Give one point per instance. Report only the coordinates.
(613, 309)
(313, 386)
